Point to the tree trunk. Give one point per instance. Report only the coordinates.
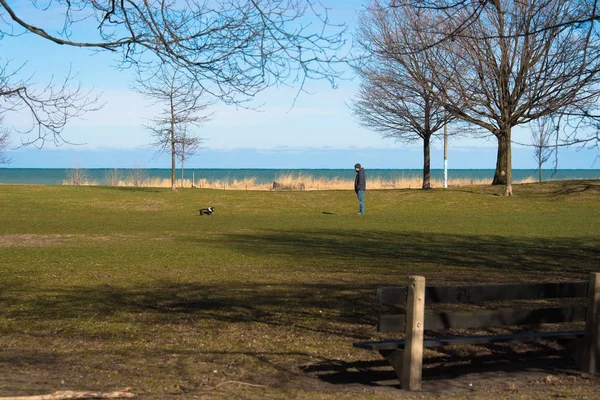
(182, 162)
(426, 162)
(173, 166)
(173, 155)
(501, 160)
(508, 191)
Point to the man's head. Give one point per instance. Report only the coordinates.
(357, 167)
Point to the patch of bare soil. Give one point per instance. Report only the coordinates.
(534, 376)
(461, 373)
(33, 240)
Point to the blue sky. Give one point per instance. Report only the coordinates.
(317, 132)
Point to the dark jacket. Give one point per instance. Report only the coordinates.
(360, 182)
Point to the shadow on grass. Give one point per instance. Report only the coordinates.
(306, 307)
(572, 187)
(171, 311)
(548, 189)
(439, 372)
(343, 311)
(511, 258)
(366, 260)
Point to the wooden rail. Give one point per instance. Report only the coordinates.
(406, 355)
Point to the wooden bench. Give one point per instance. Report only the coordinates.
(406, 355)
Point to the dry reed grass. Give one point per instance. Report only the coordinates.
(284, 182)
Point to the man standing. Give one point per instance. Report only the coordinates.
(360, 186)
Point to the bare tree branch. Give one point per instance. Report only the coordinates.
(234, 48)
(107, 45)
(49, 107)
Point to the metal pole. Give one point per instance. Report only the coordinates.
(445, 155)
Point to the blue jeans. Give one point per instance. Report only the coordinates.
(361, 201)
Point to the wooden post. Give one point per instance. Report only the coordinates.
(591, 351)
(413, 340)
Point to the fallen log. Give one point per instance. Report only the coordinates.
(69, 394)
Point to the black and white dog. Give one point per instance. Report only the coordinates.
(207, 211)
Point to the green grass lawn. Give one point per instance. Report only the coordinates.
(103, 288)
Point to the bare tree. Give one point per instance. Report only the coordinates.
(186, 146)
(47, 109)
(515, 63)
(581, 16)
(542, 133)
(234, 48)
(395, 96)
(181, 98)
